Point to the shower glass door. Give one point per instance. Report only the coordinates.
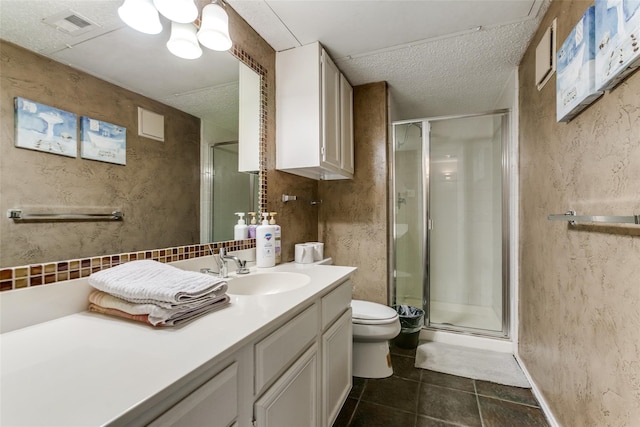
(449, 214)
(409, 213)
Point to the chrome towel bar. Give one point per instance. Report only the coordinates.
(573, 218)
(18, 215)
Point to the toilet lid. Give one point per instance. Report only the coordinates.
(366, 310)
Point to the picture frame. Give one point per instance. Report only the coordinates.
(618, 41)
(575, 81)
(103, 141)
(44, 128)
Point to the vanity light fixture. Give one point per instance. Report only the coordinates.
(140, 15)
(213, 27)
(183, 42)
(182, 11)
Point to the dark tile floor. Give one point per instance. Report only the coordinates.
(421, 398)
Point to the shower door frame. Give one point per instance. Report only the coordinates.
(505, 333)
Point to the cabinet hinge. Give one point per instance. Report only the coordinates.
(254, 423)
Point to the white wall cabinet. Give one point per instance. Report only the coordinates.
(248, 120)
(314, 115)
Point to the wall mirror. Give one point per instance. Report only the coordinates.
(207, 87)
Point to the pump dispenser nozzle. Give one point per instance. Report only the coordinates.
(253, 217)
(273, 220)
(265, 218)
(240, 217)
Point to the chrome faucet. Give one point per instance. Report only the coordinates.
(242, 265)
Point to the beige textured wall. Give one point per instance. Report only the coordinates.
(158, 189)
(353, 215)
(579, 287)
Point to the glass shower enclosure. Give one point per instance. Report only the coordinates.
(449, 212)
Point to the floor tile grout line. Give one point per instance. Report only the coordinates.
(508, 401)
(450, 388)
(475, 387)
(395, 408)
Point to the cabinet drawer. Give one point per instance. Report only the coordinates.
(335, 303)
(277, 351)
(215, 403)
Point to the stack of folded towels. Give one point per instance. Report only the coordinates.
(156, 293)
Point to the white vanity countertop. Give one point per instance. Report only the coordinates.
(88, 369)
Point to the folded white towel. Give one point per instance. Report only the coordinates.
(153, 282)
(157, 315)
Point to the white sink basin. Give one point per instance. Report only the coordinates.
(266, 283)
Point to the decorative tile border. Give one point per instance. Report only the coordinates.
(43, 274)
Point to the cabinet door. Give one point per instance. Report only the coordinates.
(292, 400)
(215, 403)
(336, 367)
(346, 125)
(330, 112)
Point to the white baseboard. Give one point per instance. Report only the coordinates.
(536, 392)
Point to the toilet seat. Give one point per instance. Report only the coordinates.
(371, 313)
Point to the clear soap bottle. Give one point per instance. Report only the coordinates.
(252, 225)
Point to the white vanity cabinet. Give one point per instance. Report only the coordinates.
(215, 403)
(314, 115)
(316, 365)
(266, 360)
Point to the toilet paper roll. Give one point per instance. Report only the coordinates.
(304, 253)
(318, 250)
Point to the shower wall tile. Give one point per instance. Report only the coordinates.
(353, 215)
(579, 310)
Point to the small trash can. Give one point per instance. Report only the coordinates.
(411, 321)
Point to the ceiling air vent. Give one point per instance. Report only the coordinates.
(71, 23)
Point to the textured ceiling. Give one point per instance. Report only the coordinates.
(439, 57)
(206, 87)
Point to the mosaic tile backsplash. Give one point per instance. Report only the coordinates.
(43, 274)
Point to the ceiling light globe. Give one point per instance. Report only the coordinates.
(182, 11)
(214, 31)
(183, 42)
(140, 15)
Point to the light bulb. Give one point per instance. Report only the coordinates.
(140, 15)
(183, 41)
(214, 31)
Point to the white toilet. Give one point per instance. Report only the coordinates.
(373, 326)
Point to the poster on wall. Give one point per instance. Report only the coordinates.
(575, 62)
(618, 41)
(103, 141)
(43, 128)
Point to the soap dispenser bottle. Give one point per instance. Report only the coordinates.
(265, 243)
(252, 225)
(278, 237)
(240, 231)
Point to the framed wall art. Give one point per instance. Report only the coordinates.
(575, 81)
(618, 41)
(43, 128)
(103, 141)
